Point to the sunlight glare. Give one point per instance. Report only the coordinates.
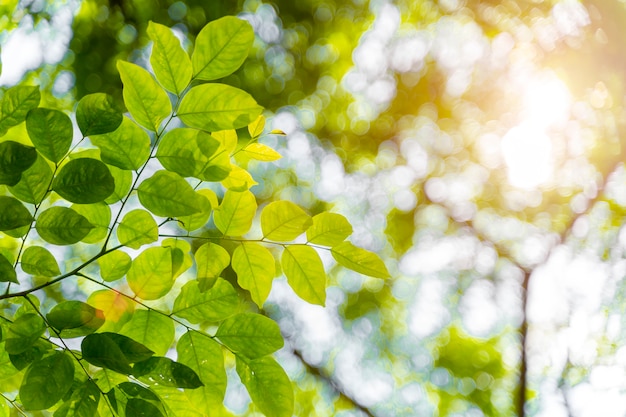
(547, 102)
(527, 153)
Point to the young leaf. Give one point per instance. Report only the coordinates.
(46, 381)
(235, 215)
(170, 62)
(24, 332)
(359, 260)
(7, 273)
(228, 139)
(268, 385)
(328, 229)
(214, 107)
(261, 152)
(305, 273)
(221, 47)
(74, 318)
(166, 372)
(114, 265)
(16, 103)
(153, 330)
(15, 158)
(250, 335)
(167, 194)
(146, 101)
(256, 128)
(205, 357)
(214, 304)
(50, 131)
(283, 221)
(37, 260)
(150, 275)
(84, 181)
(82, 403)
(137, 228)
(211, 260)
(13, 214)
(239, 180)
(34, 182)
(127, 147)
(255, 269)
(62, 226)
(97, 114)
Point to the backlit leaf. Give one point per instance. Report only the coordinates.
(214, 304)
(113, 351)
(268, 385)
(146, 101)
(211, 260)
(82, 403)
(153, 330)
(215, 106)
(261, 152)
(164, 371)
(74, 318)
(150, 275)
(116, 308)
(228, 138)
(256, 127)
(359, 260)
(127, 147)
(167, 194)
(114, 265)
(205, 357)
(37, 260)
(84, 181)
(132, 400)
(239, 179)
(235, 214)
(97, 114)
(34, 182)
(13, 214)
(251, 335)
(170, 62)
(328, 229)
(51, 132)
(15, 158)
(305, 273)
(23, 333)
(7, 273)
(62, 226)
(46, 381)
(283, 221)
(123, 181)
(197, 220)
(221, 47)
(255, 268)
(99, 215)
(16, 103)
(137, 228)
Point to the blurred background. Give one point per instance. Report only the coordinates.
(477, 146)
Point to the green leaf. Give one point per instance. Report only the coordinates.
(221, 47)
(283, 221)
(15, 158)
(211, 260)
(167, 194)
(164, 371)
(170, 62)
(255, 269)
(62, 226)
(153, 330)
(127, 147)
(24, 332)
(13, 214)
(137, 228)
(215, 304)
(268, 386)
(84, 181)
(82, 403)
(51, 132)
(133, 400)
(114, 265)
(97, 114)
(46, 381)
(123, 181)
(99, 215)
(150, 275)
(16, 103)
(146, 101)
(328, 229)
(74, 318)
(34, 182)
(235, 215)
(30, 355)
(7, 273)
(205, 357)
(197, 220)
(359, 260)
(37, 260)
(214, 107)
(305, 273)
(261, 152)
(251, 335)
(113, 351)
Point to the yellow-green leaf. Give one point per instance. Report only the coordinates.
(305, 273)
(235, 214)
(170, 62)
(284, 221)
(137, 228)
(268, 386)
(359, 260)
(328, 229)
(261, 152)
(37, 260)
(255, 268)
(211, 260)
(150, 275)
